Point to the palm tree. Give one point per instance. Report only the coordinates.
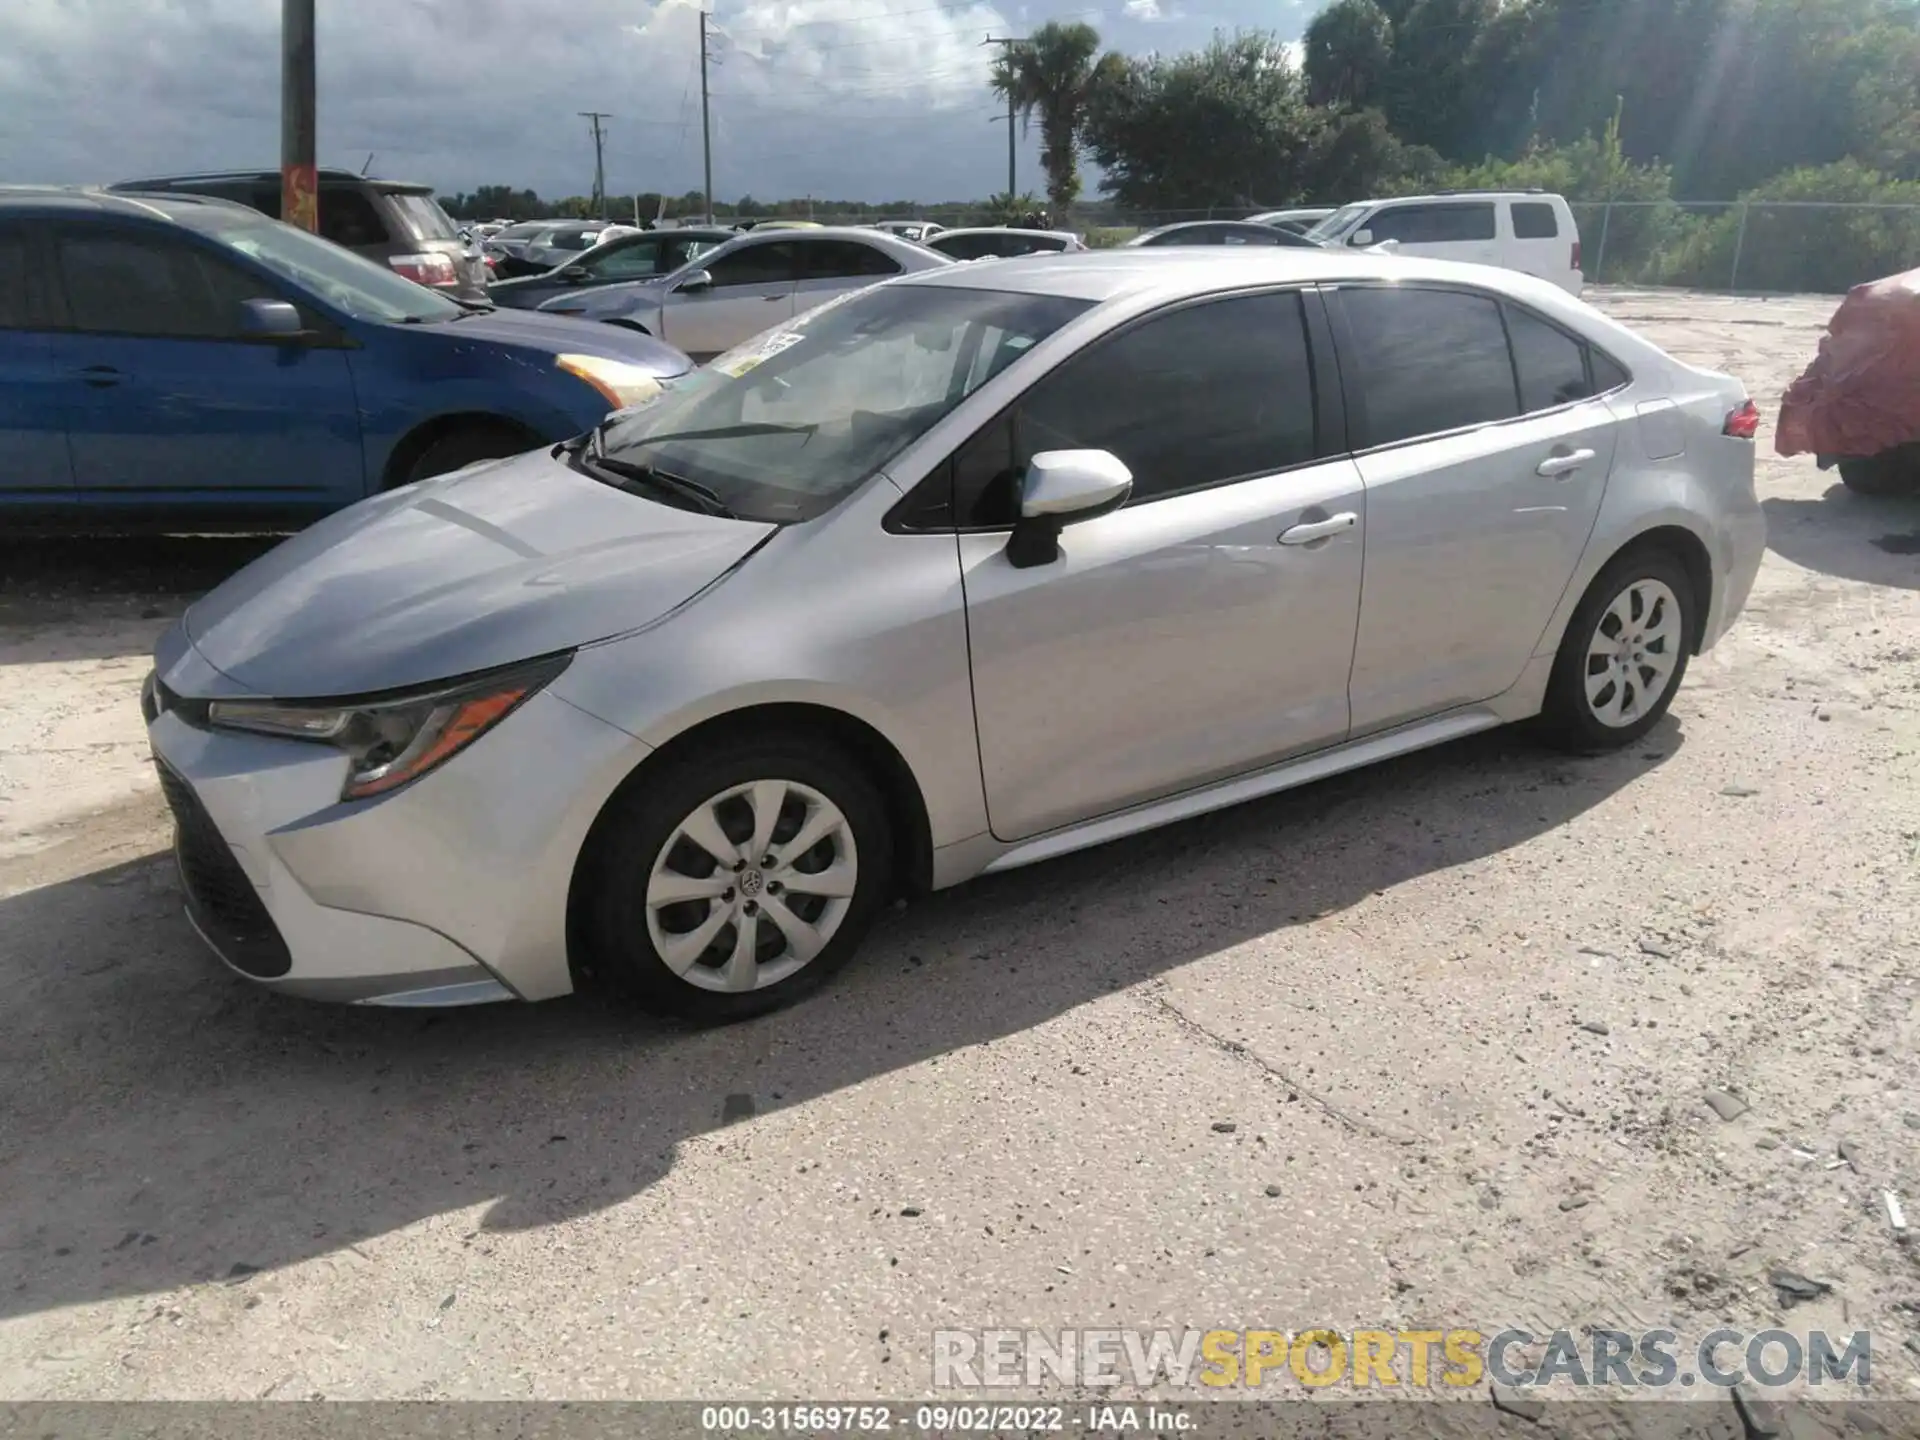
(1051, 74)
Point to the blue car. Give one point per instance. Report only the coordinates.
(179, 360)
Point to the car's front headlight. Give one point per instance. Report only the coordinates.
(623, 384)
(394, 739)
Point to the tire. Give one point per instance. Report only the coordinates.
(1891, 472)
(1591, 707)
(459, 448)
(636, 939)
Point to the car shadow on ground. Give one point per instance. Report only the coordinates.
(1853, 537)
(74, 595)
(166, 1123)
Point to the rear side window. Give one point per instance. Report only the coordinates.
(348, 218)
(1209, 393)
(14, 314)
(842, 260)
(1428, 361)
(1551, 364)
(1534, 221)
(1433, 224)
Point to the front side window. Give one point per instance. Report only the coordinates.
(1428, 361)
(136, 285)
(774, 264)
(1209, 393)
(1433, 224)
(14, 311)
(785, 425)
(632, 260)
(1551, 365)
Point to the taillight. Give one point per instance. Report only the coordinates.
(1743, 423)
(430, 268)
(1576, 254)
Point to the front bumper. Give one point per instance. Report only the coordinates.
(449, 891)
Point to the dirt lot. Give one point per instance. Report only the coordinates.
(1460, 1012)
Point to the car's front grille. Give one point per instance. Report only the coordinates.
(220, 898)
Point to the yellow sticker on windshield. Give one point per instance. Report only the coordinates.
(736, 363)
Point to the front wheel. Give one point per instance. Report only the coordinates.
(1624, 654)
(735, 882)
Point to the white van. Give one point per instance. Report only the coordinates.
(1517, 230)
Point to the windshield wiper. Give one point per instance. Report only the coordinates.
(728, 432)
(678, 486)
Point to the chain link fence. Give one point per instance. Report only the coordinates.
(1757, 246)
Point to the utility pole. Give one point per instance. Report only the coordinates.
(599, 159)
(299, 177)
(706, 125)
(1009, 41)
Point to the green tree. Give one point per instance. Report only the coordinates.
(1352, 153)
(1349, 47)
(1052, 75)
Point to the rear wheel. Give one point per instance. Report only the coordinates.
(734, 883)
(460, 448)
(1624, 654)
(1891, 472)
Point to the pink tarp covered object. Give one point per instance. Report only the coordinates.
(1861, 394)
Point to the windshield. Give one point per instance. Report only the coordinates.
(423, 216)
(344, 280)
(526, 229)
(782, 427)
(1338, 222)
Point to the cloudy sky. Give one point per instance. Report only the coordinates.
(860, 99)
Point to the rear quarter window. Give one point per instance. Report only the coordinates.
(1534, 221)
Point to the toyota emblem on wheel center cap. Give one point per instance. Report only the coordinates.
(752, 882)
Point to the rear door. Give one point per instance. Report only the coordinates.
(1485, 457)
(833, 267)
(169, 402)
(752, 291)
(1467, 231)
(34, 468)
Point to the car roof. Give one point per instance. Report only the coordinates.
(1174, 272)
(1006, 230)
(325, 176)
(76, 200)
(1465, 197)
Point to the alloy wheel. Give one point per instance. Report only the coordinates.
(1633, 653)
(751, 885)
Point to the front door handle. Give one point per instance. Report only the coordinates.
(1319, 529)
(100, 377)
(773, 297)
(1564, 462)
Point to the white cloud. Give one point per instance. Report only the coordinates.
(1145, 10)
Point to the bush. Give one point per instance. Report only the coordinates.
(1794, 249)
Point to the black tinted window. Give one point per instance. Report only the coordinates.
(1209, 393)
(1534, 221)
(348, 218)
(844, 259)
(1551, 364)
(963, 247)
(129, 285)
(1608, 373)
(13, 282)
(1428, 361)
(756, 265)
(1432, 224)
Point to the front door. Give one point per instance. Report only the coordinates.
(170, 402)
(1196, 633)
(34, 468)
(752, 291)
(1484, 465)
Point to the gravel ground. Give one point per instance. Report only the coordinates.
(1425, 1046)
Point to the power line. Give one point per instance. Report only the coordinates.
(1006, 56)
(706, 122)
(599, 159)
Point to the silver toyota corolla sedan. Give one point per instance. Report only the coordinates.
(744, 287)
(957, 573)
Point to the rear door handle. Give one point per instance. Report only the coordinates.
(1563, 463)
(1319, 529)
(100, 377)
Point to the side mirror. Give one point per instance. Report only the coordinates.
(1061, 488)
(575, 274)
(1360, 238)
(270, 320)
(698, 280)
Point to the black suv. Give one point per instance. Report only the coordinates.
(391, 221)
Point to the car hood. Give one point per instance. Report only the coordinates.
(497, 563)
(562, 334)
(621, 297)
